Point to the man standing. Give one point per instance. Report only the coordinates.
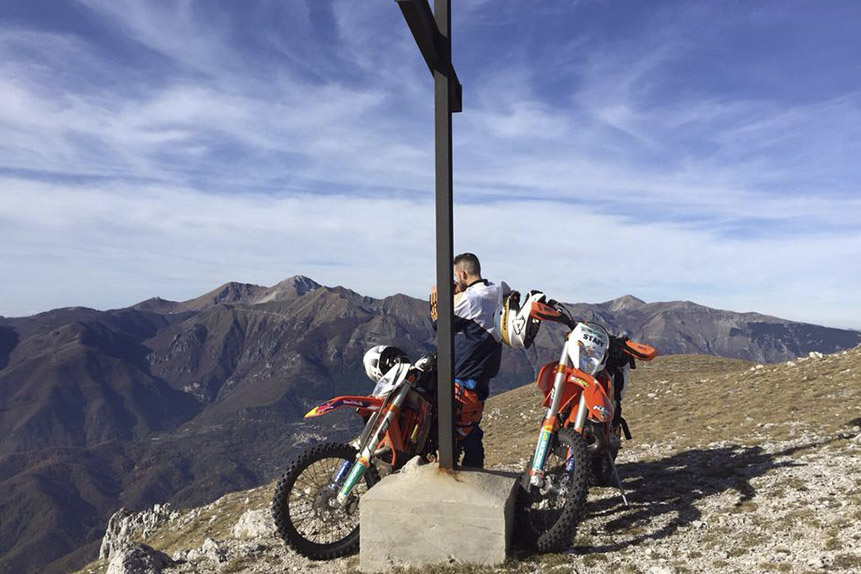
(477, 351)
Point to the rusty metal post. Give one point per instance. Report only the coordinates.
(444, 236)
(432, 33)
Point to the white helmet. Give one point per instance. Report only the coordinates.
(378, 360)
(517, 328)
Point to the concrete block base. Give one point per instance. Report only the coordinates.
(422, 515)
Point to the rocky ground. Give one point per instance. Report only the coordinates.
(769, 482)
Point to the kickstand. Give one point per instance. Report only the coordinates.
(618, 480)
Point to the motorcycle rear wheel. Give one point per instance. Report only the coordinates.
(547, 521)
(304, 508)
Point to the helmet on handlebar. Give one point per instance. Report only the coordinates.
(378, 360)
(518, 329)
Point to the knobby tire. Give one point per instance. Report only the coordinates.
(286, 523)
(533, 531)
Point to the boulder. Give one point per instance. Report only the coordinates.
(138, 559)
(254, 524)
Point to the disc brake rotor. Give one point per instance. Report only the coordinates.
(326, 505)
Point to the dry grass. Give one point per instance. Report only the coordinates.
(851, 562)
(696, 400)
(215, 524)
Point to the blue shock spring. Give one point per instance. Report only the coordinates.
(342, 472)
(570, 462)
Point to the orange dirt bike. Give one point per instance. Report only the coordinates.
(316, 502)
(580, 434)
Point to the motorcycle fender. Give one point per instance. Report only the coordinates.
(368, 404)
(598, 403)
(570, 392)
(576, 382)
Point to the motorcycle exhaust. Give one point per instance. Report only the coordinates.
(383, 450)
(595, 441)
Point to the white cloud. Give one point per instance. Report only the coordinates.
(110, 247)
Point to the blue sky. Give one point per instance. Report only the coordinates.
(672, 150)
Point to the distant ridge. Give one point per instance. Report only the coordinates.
(233, 292)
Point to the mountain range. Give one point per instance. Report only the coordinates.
(184, 401)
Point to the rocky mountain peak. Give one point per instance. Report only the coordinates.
(156, 305)
(301, 284)
(292, 287)
(232, 292)
(624, 303)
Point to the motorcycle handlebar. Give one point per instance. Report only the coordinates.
(552, 311)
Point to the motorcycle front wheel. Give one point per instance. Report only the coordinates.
(546, 518)
(304, 507)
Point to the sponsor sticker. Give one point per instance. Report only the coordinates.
(518, 325)
(603, 412)
(541, 452)
(355, 474)
(582, 382)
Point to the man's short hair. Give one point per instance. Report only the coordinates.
(469, 263)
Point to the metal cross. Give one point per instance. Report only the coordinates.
(432, 33)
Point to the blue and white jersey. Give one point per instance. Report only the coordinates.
(477, 340)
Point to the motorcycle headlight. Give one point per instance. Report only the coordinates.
(587, 347)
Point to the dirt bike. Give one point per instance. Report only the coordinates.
(316, 501)
(580, 434)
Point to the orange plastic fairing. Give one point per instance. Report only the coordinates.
(576, 382)
(640, 351)
(545, 377)
(544, 312)
(366, 404)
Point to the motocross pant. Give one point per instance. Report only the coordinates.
(469, 407)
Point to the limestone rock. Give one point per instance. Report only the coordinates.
(116, 535)
(138, 559)
(254, 524)
(210, 550)
(124, 526)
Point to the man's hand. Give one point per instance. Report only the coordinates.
(434, 314)
(434, 296)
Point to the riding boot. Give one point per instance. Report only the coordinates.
(473, 448)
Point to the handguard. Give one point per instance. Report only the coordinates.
(640, 351)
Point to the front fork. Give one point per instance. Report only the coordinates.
(363, 459)
(536, 472)
(550, 425)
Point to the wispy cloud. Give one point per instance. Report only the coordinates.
(107, 247)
